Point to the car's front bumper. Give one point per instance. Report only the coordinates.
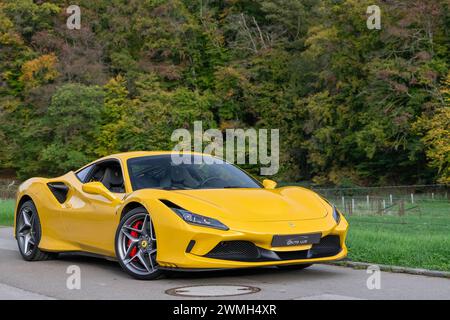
(192, 247)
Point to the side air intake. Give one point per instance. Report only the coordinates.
(59, 190)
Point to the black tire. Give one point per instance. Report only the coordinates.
(295, 266)
(34, 231)
(129, 268)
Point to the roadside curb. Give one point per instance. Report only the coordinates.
(395, 269)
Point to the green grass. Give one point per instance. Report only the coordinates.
(7, 212)
(415, 240)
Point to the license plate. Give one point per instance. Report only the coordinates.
(295, 239)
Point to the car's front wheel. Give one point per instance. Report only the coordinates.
(136, 245)
(28, 233)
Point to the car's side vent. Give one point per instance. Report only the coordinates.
(59, 190)
(170, 204)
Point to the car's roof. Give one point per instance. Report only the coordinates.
(123, 157)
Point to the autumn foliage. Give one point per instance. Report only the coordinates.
(353, 105)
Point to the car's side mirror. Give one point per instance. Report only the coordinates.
(269, 184)
(100, 189)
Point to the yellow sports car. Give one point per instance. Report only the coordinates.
(152, 213)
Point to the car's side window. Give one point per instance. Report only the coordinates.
(110, 174)
(83, 174)
(112, 178)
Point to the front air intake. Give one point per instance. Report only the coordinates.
(327, 247)
(247, 251)
(235, 250)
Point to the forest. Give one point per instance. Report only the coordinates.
(354, 106)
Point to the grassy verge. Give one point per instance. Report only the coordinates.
(418, 241)
(7, 212)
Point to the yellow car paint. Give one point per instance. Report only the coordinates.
(88, 222)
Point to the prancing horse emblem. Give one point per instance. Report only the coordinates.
(291, 224)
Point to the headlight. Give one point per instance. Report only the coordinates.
(336, 215)
(196, 219)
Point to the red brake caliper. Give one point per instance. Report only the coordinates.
(136, 225)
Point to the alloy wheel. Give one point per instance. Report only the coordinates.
(137, 245)
(26, 231)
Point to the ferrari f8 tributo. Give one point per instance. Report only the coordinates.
(154, 215)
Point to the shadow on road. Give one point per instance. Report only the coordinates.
(112, 266)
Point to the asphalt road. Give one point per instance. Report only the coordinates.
(102, 279)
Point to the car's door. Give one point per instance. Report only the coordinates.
(91, 220)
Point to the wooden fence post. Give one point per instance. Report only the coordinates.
(379, 207)
(401, 208)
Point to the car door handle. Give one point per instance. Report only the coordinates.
(67, 205)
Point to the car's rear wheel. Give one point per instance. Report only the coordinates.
(28, 233)
(136, 245)
(295, 266)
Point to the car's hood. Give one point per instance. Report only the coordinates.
(283, 204)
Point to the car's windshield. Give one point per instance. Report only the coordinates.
(160, 172)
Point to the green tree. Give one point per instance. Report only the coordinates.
(157, 112)
(71, 125)
(113, 117)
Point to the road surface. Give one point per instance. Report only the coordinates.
(102, 279)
